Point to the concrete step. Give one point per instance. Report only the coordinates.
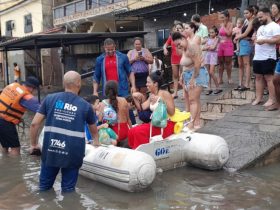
(250, 95)
(225, 105)
(206, 117)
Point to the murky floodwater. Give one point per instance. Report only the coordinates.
(184, 188)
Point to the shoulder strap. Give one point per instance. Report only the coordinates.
(105, 102)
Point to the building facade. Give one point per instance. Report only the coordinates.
(24, 18)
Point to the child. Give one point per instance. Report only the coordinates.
(236, 31)
(211, 58)
(106, 135)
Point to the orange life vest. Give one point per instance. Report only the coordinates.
(10, 108)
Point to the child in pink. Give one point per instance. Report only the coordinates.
(211, 58)
(236, 31)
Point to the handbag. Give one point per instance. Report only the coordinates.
(159, 115)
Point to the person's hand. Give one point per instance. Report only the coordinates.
(133, 89)
(35, 150)
(105, 125)
(95, 143)
(260, 41)
(165, 52)
(141, 58)
(95, 93)
(181, 80)
(192, 83)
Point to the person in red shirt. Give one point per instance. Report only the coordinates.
(113, 65)
(175, 57)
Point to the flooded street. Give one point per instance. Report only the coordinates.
(184, 188)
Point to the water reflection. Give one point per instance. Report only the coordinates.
(184, 188)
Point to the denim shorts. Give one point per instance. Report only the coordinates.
(245, 47)
(201, 80)
(277, 68)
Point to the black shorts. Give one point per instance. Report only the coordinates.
(264, 67)
(8, 134)
(141, 79)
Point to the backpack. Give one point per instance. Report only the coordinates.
(159, 116)
(109, 114)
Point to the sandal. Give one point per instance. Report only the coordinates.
(237, 88)
(218, 91)
(209, 92)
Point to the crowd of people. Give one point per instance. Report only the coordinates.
(125, 81)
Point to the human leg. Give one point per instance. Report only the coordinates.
(247, 69)
(9, 138)
(228, 66)
(241, 71)
(195, 106)
(269, 81)
(187, 101)
(69, 179)
(175, 75)
(47, 176)
(213, 76)
(259, 89)
(221, 69)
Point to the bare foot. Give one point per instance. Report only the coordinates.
(269, 103)
(230, 82)
(256, 102)
(273, 107)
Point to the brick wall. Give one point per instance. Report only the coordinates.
(213, 19)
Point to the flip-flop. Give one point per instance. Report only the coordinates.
(218, 91)
(209, 92)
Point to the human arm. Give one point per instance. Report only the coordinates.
(273, 40)
(132, 82)
(214, 46)
(34, 130)
(246, 32)
(167, 43)
(194, 53)
(30, 102)
(169, 101)
(97, 76)
(94, 134)
(147, 58)
(228, 28)
(138, 98)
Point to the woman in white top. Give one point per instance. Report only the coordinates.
(141, 134)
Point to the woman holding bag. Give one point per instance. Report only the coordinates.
(141, 134)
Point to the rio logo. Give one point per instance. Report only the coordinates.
(162, 151)
(61, 105)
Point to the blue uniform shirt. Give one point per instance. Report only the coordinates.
(64, 138)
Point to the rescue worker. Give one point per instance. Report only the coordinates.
(64, 138)
(15, 100)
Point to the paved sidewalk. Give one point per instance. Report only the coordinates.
(253, 135)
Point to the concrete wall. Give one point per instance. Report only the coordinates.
(17, 15)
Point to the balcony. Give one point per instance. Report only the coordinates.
(86, 9)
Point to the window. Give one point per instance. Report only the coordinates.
(92, 4)
(59, 12)
(70, 9)
(162, 36)
(80, 6)
(9, 28)
(28, 23)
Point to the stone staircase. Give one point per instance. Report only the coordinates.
(229, 101)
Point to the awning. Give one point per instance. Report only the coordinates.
(58, 40)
